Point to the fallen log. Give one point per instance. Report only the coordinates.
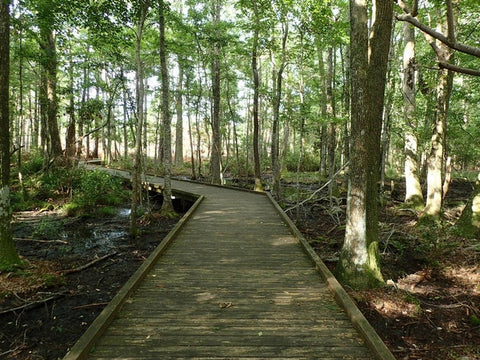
(42, 241)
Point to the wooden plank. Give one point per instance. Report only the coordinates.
(227, 352)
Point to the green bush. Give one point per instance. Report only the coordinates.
(32, 163)
(98, 188)
(309, 162)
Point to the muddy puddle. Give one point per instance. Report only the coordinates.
(51, 236)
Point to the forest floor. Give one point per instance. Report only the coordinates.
(75, 267)
(431, 308)
(429, 311)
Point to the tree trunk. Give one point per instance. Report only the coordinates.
(71, 128)
(277, 97)
(468, 225)
(136, 183)
(436, 158)
(8, 254)
(179, 124)
(256, 95)
(331, 130)
(216, 146)
(167, 206)
(359, 266)
(413, 194)
(49, 65)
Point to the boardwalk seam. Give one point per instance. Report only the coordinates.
(83, 346)
(373, 340)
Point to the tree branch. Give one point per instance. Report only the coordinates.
(458, 69)
(85, 266)
(450, 21)
(80, 139)
(467, 49)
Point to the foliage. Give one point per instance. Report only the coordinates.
(47, 229)
(98, 188)
(308, 163)
(76, 189)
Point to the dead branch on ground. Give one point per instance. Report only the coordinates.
(85, 266)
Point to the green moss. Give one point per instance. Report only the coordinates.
(367, 276)
(415, 203)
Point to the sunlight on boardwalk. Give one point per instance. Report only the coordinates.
(233, 284)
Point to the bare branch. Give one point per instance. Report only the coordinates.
(467, 49)
(459, 69)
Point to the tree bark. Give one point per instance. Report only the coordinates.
(331, 136)
(359, 266)
(436, 158)
(179, 124)
(49, 69)
(71, 128)
(137, 161)
(413, 194)
(8, 253)
(167, 206)
(256, 95)
(216, 146)
(277, 97)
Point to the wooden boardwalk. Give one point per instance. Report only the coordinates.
(233, 283)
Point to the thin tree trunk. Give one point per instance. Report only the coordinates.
(331, 131)
(277, 97)
(216, 148)
(256, 93)
(167, 205)
(136, 184)
(179, 124)
(71, 128)
(190, 135)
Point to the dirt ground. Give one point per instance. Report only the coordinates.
(76, 266)
(430, 310)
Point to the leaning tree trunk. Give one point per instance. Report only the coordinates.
(8, 254)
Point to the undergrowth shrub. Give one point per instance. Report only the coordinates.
(98, 188)
(308, 163)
